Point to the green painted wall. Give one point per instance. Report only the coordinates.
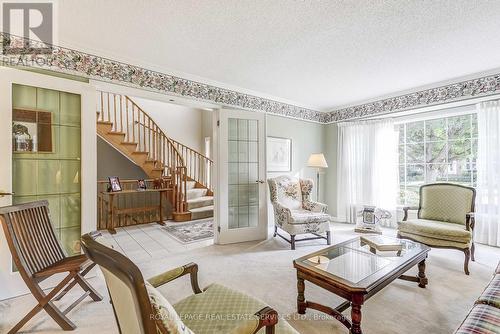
(331, 145)
(307, 138)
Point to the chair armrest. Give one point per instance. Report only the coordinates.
(170, 275)
(470, 220)
(283, 210)
(314, 206)
(267, 318)
(406, 209)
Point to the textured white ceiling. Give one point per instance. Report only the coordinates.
(320, 54)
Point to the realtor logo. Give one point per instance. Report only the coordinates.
(33, 21)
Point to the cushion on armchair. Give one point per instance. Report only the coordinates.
(219, 309)
(436, 229)
(305, 217)
(445, 202)
(288, 193)
(165, 313)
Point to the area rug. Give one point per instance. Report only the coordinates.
(192, 231)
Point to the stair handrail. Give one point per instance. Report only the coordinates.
(162, 152)
(198, 166)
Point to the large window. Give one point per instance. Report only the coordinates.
(434, 150)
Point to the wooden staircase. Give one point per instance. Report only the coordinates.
(130, 130)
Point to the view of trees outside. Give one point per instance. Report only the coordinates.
(442, 149)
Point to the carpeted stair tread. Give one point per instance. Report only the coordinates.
(196, 193)
(200, 202)
(202, 212)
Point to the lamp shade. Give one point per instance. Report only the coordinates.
(317, 160)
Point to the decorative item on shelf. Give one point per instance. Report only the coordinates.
(114, 184)
(371, 217)
(279, 154)
(141, 184)
(318, 161)
(21, 138)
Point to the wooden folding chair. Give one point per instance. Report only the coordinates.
(38, 255)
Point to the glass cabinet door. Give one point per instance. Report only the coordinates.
(46, 155)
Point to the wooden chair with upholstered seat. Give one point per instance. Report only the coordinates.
(445, 219)
(38, 255)
(140, 308)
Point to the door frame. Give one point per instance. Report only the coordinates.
(223, 235)
(11, 284)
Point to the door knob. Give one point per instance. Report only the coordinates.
(2, 193)
(260, 181)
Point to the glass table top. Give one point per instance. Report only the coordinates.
(355, 260)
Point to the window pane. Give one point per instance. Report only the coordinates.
(414, 175)
(459, 150)
(435, 129)
(414, 153)
(435, 152)
(415, 132)
(412, 195)
(459, 127)
(436, 173)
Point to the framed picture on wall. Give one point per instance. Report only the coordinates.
(279, 154)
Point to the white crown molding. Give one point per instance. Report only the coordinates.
(68, 61)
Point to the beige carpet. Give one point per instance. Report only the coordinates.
(265, 270)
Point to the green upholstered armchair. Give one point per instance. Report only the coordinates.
(445, 219)
(141, 309)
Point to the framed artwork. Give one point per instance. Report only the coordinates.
(114, 184)
(279, 154)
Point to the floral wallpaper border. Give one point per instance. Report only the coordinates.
(18, 51)
(450, 93)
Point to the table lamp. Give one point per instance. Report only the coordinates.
(318, 161)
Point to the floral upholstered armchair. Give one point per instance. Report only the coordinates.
(294, 212)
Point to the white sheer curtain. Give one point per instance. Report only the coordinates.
(367, 167)
(487, 228)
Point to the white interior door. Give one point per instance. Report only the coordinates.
(241, 166)
(11, 284)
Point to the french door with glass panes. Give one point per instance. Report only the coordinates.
(241, 191)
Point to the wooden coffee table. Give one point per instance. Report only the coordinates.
(355, 272)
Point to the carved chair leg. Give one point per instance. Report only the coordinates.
(292, 241)
(472, 249)
(466, 262)
(328, 237)
(275, 231)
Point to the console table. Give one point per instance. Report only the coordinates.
(116, 216)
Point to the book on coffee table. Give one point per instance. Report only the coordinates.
(382, 243)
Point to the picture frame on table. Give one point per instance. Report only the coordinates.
(141, 184)
(279, 154)
(114, 184)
